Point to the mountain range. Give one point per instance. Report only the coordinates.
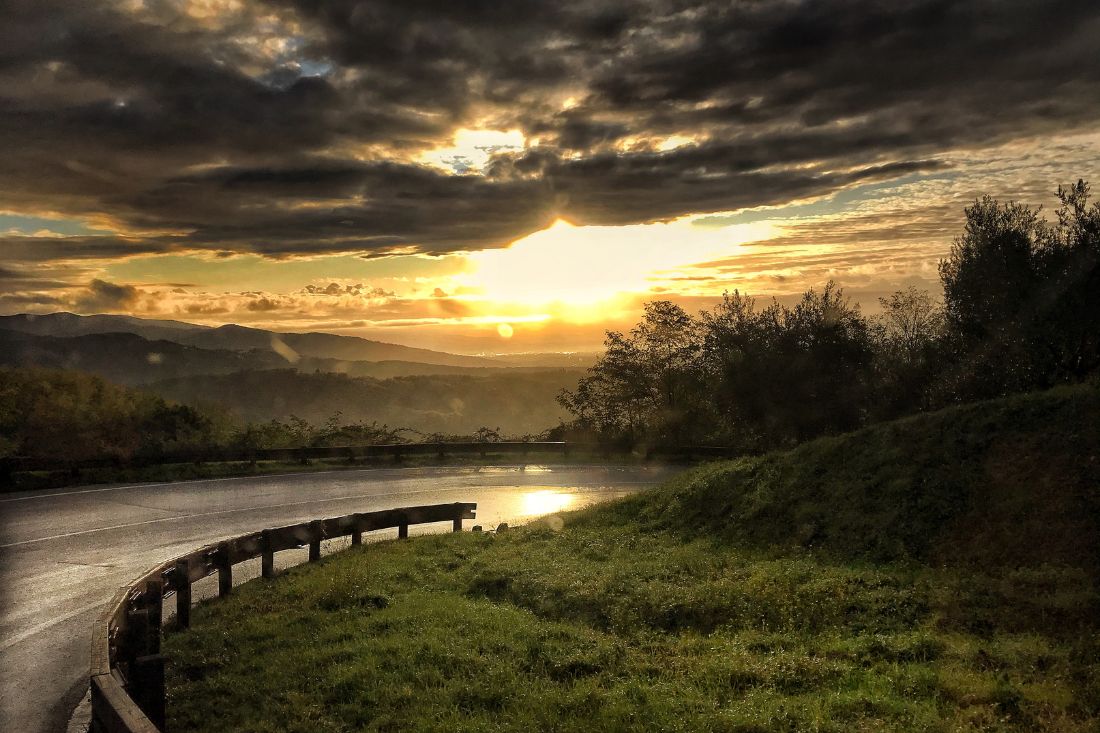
(262, 375)
(290, 346)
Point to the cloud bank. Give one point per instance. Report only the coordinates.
(295, 128)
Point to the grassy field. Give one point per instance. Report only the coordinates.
(867, 582)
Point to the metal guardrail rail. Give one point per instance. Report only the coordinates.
(396, 451)
(127, 668)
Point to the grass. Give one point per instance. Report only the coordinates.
(595, 628)
(705, 605)
(1008, 482)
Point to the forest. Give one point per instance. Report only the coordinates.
(1020, 312)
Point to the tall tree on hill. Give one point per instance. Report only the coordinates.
(1070, 262)
(1022, 297)
(990, 280)
(782, 374)
(908, 336)
(646, 386)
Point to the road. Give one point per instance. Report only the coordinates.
(64, 552)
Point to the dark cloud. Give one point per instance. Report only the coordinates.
(15, 280)
(102, 296)
(210, 133)
(19, 301)
(358, 290)
(263, 305)
(44, 249)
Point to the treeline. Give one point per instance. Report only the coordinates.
(74, 416)
(1020, 311)
(46, 413)
(519, 402)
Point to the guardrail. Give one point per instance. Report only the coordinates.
(127, 668)
(396, 451)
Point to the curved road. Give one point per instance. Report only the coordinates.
(63, 553)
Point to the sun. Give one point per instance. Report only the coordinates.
(505, 330)
(585, 268)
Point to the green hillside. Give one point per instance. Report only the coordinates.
(933, 574)
(1010, 481)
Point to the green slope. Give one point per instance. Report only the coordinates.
(1011, 481)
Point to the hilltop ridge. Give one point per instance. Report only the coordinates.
(234, 337)
(1013, 481)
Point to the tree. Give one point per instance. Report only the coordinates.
(669, 342)
(1021, 297)
(908, 345)
(645, 387)
(782, 374)
(991, 271)
(1070, 264)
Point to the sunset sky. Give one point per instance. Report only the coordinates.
(500, 177)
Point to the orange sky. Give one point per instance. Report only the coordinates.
(521, 182)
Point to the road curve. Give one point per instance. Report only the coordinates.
(64, 552)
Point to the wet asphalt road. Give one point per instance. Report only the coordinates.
(63, 553)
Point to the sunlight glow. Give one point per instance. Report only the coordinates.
(582, 267)
(546, 501)
(675, 141)
(505, 330)
(471, 149)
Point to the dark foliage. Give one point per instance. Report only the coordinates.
(73, 416)
(50, 413)
(1021, 311)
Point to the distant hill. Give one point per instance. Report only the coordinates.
(517, 402)
(325, 346)
(126, 358)
(1009, 482)
(240, 338)
(70, 324)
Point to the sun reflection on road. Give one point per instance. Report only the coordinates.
(546, 501)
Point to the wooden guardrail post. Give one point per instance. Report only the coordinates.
(141, 652)
(154, 599)
(183, 593)
(356, 537)
(316, 532)
(224, 564)
(136, 631)
(456, 524)
(403, 527)
(149, 694)
(267, 562)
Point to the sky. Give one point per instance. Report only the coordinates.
(488, 177)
